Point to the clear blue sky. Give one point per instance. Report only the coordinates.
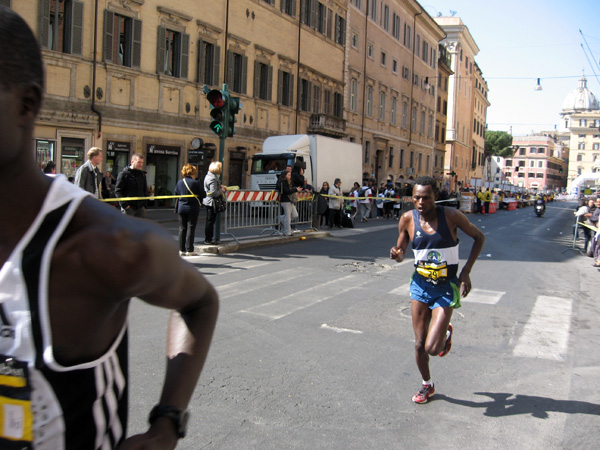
(530, 39)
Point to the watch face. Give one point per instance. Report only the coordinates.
(196, 143)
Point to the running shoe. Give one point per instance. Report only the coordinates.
(427, 390)
(448, 345)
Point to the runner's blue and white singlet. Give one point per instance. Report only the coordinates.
(436, 255)
(44, 405)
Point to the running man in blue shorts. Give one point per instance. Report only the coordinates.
(435, 287)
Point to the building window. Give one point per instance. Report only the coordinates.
(541, 150)
(595, 146)
(401, 158)
(394, 66)
(422, 123)
(540, 164)
(405, 72)
(305, 91)
(289, 7)
(382, 101)
(209, 58)
(370, 50)
(122, 40)
(173, 53)
(430, 127)
(413, 120)
(369, 101)
(263, 81)
(338, 105)
(404, 115)
(327, 101)
(580, 157)
(62, 26)
(582, 122)
(394, 110)
(354, 94)
(532, 150)
(373, 13)
(581, 146)
(316, 99)
(391, 159)
(407, 35)
(237, 72)
(396, 26)
(383, 59)
(340, 30)
(367, 152)
(386, 18)
(285, 88)
(354, 40)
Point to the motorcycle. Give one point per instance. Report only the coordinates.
(539, 208)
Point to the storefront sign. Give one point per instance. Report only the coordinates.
(118, 146)
(168, 150)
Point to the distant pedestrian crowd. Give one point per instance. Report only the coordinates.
(587, 215)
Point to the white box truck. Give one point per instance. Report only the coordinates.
(325, 159)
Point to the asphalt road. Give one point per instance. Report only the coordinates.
(314, 346)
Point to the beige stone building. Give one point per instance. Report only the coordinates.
(392, 65)
(480, 106)
(129, 77)
(463, 145)
(580, 127)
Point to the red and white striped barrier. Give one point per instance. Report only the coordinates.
(252, 196)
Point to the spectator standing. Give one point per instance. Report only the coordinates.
(335, 204)
(364, 202)
(288, 199)
(213, 189)
(487, 198)
(379, 203)
(479, 201)
(388, 205)
(325, 208)
(131, 182)
(88, 176)
(354, 202)
(583, 214)
(188, 208)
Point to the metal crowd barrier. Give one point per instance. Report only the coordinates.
(260, 209)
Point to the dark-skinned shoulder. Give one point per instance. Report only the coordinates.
(116, 254)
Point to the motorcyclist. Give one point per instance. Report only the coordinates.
(540, 199)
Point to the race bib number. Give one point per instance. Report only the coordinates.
(16, 419)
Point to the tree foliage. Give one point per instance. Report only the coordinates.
(498, 143)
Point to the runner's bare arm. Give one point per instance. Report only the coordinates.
(175, 284)
(404, 229)
(459, 220)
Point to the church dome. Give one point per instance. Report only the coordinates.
(580, 99)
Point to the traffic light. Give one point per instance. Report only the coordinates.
(233, 109)
(219, 104)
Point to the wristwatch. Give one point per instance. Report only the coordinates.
(177, 415)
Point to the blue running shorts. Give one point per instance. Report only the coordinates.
(444, 294)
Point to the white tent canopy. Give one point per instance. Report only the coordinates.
(583, 180)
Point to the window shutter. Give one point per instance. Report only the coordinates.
(77, 29)
(291, 92)
(109, 20)
(201, 64)
(161, 51)
(45, 23)
(314, 4)
(216, 62)
(270, 83)
(244, 75)
(185, 56)
(5, 3)
(256, 79)
(279, 87)
(293, 8)
(136, 54)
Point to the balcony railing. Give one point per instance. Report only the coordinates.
(327, 125)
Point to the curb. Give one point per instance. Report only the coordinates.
(232, 246)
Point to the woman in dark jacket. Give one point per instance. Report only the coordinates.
(188, 208)
(325, 214)
(213, 189)
(288, 199)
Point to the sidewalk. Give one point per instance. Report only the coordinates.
(246, 237)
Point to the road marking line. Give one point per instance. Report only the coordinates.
(244, 265)
(546, 333)
(260, 282)
(340, 330)
(289, 304)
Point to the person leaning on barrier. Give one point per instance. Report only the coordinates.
(131, 182)
(213, 189)
(288, 199)
(70, 266)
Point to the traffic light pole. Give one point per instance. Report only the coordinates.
(222, 158)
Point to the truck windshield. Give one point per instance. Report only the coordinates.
(269, 164)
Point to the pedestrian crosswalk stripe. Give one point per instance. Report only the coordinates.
(237, 267)
(260, 282)
(546, 333)
(284, 306)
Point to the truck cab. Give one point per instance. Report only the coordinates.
(267, 167)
